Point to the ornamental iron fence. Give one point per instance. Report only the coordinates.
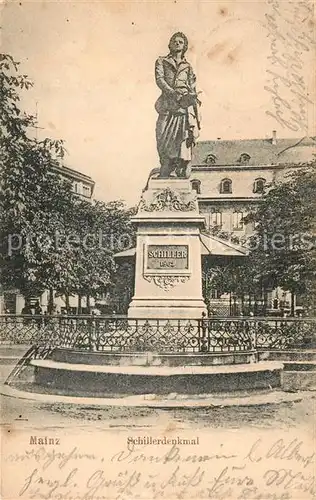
(122, 334)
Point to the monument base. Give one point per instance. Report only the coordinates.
(148, 308)
(168, 277)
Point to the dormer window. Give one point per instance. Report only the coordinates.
(226, 186)
(244, 159)
(196, 186)
(258, 185)
(211, 159)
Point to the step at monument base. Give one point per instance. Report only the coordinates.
(299, 381)
(149, 358)
(156, 380)
(288, 355)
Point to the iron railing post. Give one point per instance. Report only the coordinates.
(202, 326)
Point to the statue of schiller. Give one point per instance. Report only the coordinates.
(178, 121)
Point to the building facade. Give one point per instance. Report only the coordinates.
(229, 177)
(82, 184)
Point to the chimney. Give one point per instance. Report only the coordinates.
(274, 137)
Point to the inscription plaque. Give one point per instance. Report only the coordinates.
(167, 257)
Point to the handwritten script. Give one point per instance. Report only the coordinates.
(290, 31)
(279, 470)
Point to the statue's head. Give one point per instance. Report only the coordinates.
(178, 42)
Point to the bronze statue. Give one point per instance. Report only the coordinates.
(178, 121)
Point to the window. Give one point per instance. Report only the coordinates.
(196, 186)
(9, 300)
(214, 294)
(211, 159)
(244, 159)
(77, 187)
(226, 186)
(86, 190)
(216, 219)
(276, 304)
(258, 185)
(238, 221)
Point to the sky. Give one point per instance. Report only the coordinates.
(92, 64)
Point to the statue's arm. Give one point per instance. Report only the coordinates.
(160, 78)
(192, 80)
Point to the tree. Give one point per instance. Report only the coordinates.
(45, 226)
(282, 250)
(122, 290)
(101, 230)
(236, 278)
(34, 199)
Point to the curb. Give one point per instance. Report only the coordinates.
(149, 401)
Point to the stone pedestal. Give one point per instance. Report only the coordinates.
(168, 278)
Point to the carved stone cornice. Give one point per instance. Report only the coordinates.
(166, 282)
(169, 200)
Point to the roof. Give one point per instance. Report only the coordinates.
(74, 174)
(210, 245)
(261, 151)
(130, 252)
